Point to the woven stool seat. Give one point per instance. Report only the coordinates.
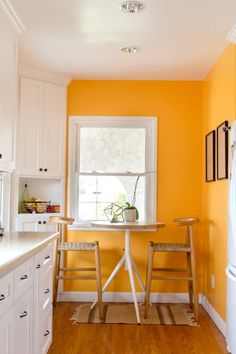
(77, 246)
(171, 247)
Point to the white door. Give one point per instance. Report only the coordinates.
(5, 334)
(22, 324)
(54, 127)
(8, 96)
(29, 147)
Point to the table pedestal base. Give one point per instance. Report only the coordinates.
(128, 261)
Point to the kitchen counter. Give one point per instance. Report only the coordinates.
(17, 247)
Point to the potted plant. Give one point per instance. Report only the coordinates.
(130, 212)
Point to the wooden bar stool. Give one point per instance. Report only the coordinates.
(188, 274)
(79, 247)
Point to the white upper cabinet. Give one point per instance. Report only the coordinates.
(42, 126)
(8, 93)
(29, 149)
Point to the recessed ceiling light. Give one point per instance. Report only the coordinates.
(132, 6)
(129, 49)
(231, 36)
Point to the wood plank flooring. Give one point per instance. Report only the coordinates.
(133, 339)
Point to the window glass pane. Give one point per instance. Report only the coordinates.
(97, 192)
(112, 149)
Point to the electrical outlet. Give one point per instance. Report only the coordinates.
(212, 281)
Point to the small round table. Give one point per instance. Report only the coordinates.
(127, 258)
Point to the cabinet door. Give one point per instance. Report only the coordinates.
(22, 329)
(54, 127)
(27, 225)
(29, 154)
(8, 96)
(5, 334)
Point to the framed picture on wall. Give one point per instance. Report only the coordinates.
(210, 156)
(222, 150)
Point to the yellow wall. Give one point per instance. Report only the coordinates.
(219, 104)
(179, 108)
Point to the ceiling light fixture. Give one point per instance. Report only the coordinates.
(231, 36)
(132, 6)
(129, 49)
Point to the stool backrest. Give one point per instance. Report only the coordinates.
(61, 222)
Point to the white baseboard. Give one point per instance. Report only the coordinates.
(77, 296)
(83, 296)
(220, 323)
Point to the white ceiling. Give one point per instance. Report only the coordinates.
(178, 40)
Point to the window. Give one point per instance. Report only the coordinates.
(4, 199)
(106, 155)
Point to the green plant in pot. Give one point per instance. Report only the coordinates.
(130, 212)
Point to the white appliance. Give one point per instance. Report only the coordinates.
(231, 267)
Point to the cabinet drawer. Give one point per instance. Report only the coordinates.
(44, 259)
(45, 291)
(23, 278)
(45, 332)
(6, 292)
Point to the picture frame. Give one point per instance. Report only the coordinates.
(222, 150)
(210, 156)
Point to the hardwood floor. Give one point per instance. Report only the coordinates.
(133, 339)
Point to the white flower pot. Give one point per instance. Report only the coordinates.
(130, 215)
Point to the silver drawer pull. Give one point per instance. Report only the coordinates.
(24, 277)
(46, 333)
(47, 291)
(25, 313)
(47, 257)
(2, 297)
(38, 266)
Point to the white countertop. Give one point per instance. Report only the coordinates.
(17, 247)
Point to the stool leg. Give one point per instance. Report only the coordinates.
(190, 282)
(56, 274)
(195, 291)
(148, 278)
(98, 278)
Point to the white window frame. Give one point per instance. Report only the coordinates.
(150, 125)
(5, 215)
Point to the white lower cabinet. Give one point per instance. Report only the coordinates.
(22, 324)
(6, 333)
(45, 332)
(26, 306)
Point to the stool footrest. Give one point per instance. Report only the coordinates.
(159, 277)
(79, 277)
(78, 269)
(170, 270)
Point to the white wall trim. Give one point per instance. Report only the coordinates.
(220, 323)
(32, 73)
(12, 17)
(83, 296)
